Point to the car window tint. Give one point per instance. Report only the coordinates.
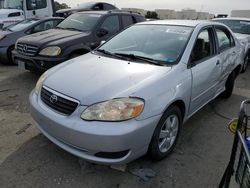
(111, 24)
(108, 7)
(43, 26)
(127, 21)
(203, 46)
(224, 39)
(36, 4)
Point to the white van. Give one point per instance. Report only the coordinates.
(18, 10)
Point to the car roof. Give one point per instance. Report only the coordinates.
(189, 23)
(233, 18)
(104, 12)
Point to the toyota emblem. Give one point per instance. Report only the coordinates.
(53, 99)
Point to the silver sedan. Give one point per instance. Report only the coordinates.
(132, 95)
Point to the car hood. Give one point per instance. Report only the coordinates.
(52, 36)
(92, 78)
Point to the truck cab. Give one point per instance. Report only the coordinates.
(18, 10)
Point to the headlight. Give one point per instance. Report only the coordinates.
(40, 83)
(50, 51)
(114, 110)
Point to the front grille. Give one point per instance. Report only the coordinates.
(27, 49)
(58, 102)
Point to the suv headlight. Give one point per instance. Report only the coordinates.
(50, 51)
(40, 83)
(114, 110)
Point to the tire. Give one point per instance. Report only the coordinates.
(229, 86)
(9, 54)
(163, 142)
(245, 64)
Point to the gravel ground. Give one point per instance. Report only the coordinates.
(28, 159)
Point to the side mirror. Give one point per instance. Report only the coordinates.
(102, 32)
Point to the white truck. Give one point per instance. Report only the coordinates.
(18, 10)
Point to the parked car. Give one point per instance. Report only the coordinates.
(85, 7)
(76, 35)
(10, 34)
(241, 29)
(132, 95)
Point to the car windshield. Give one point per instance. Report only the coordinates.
(20, 25)
(13, 4)
(237, 26)
(162, 43)
(80, 22)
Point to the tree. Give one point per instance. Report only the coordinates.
(152, 15)
(59, 6)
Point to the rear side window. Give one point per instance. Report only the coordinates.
(225, 39)
(14, 14)
(36, 4)
(127, 20)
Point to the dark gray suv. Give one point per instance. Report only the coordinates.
(76, 35)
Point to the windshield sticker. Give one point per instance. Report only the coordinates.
(246, 23)
(178, 31)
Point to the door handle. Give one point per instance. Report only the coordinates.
(217, 63)
(233, 53)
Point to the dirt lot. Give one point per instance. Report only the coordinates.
(28, 159)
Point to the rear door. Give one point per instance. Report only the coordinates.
(228, 53)
(205, 69)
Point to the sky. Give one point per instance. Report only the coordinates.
(212, 6)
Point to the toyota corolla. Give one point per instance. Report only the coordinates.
(132, 95)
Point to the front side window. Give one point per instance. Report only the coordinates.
(36, 4)
(43, 26)
(225, 40)
(127, 21)
(111, 24)
(162, 43)
(13, 4)
(80, 22)
(203, 47)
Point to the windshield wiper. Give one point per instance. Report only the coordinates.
(110, 54)
(141, 58)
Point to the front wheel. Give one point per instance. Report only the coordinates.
(166, 133)
(246, 61)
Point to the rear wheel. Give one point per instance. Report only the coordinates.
(166, 133)
(246, 61)
(229, 86)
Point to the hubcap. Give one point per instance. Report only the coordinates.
(168, 133)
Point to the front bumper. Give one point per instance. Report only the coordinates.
(37, 62)
(130, 139)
